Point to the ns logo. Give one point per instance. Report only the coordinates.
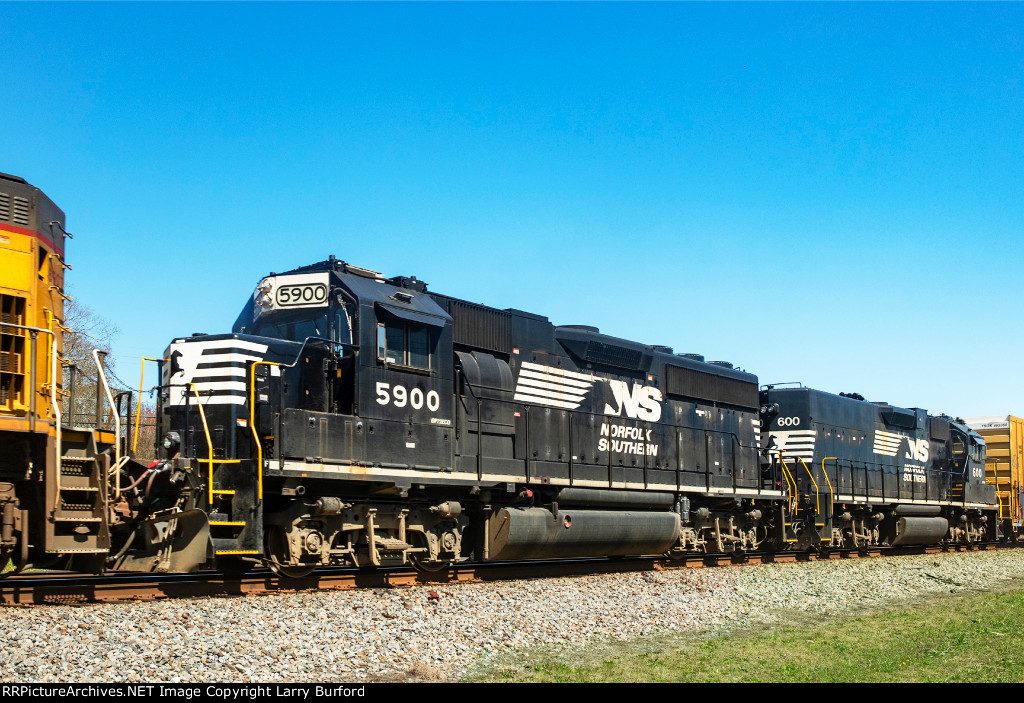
(639, 403)
(917, 450)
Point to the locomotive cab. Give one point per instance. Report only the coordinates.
(967, 453)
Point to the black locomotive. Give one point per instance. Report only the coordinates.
(862, 474)
(350, 418)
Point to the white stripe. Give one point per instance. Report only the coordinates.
(220, 386)
(553, 395)
(226, 358)
(224, 400)
(559, 372)
(554, 378)
(547, 385)
(545, 401)
(223, 344)
(223, 371)
(525, 383)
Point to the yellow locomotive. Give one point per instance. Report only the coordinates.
(52, 476)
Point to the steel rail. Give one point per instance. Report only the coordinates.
(62, 588)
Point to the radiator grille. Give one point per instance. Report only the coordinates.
(19, 214)
(481, 327)
(10, 361)
(691, 383)
(612, 355)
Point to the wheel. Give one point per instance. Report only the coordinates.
(277, 552)
(431, 567)
(292, 572)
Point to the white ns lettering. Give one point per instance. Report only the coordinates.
(642, 403)
(917, 450)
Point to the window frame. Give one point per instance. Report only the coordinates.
(405, 363)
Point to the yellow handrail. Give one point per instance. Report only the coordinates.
(138, 406)
(817, 499)
(831, 491)
(209, 443)
(252, 422)
(790, 484)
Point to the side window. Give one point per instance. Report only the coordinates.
(395, 345)
(403, 344)
(419, 346)
(958, 449)
(342, 326)
(976, 452)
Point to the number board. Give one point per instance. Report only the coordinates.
(308, 290)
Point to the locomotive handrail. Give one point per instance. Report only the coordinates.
(668, 430)
(831, 491)
(884, 470)
(791, 485)
(128, 395)
(252, 423)
(138, 407)
(209, 443)
(817, 491)
(118, 460)
(53, 387)
(317, 339)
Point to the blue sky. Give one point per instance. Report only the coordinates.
(827, 193)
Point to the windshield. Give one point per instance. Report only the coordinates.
(296, 326)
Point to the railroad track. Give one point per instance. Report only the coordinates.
(62, 588)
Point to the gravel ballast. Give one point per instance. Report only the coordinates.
(441, 632)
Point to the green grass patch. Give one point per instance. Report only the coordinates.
(978, 638)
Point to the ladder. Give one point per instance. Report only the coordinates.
(77, 496)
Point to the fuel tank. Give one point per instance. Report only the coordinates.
(920, 530)
(537, 533)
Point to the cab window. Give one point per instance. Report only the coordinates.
(342, 326)
(404, 344)
(976, 452)
(958, 450)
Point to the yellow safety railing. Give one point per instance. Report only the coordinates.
(790, 484)
(138, 406)
(252, 422)
(209, 450)
(831, 491)
(817, 498)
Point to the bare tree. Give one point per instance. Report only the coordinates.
(88, 331)
(146, 432)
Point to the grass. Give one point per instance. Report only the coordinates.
(977, 638)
